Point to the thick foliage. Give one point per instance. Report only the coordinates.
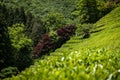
(105, 6)
(50, 15)
(86, 33)
(6, 56)
(66, 32)
(96, 58)
(54, 20)
(49, 43)
(14, 15)
(87, 64)
(15, 47)
(8, 72)
(84, 30)
(22, 46)
(86, 11)
(44, 46)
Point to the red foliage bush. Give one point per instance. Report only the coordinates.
(48, 44)
(44, 46)
(66, 31)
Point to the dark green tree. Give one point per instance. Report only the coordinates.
(16, 16)
(22, 46)
(86, 11)
(29, 24)
(19, 15)
(6, 56)
(24, 58)
(22, 15)
(11, 17)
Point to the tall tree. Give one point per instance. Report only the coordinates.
(22, 15)
(22, 46)
(29, 24)
(6, 55)
(86, 11)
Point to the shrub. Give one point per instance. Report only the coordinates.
(86, 11)
(23, 57)
(8, 72)
(86, 33)
(54, 20)
(84, 29)
(22, 46)
(53, 41)
(44, 46)
(66, 32)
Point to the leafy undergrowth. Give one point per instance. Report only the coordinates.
(95, 58)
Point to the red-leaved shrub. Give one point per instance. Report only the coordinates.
(44, 46)
(48, 44)
(66, 32)
(40, 48)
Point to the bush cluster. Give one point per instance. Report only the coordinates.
(8, 72)
(22, 46)
(48, 43)
(66, 32)
(84, 30)
(44, 46)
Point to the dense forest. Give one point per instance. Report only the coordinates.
(31, 30)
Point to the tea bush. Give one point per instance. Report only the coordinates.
(86, 64)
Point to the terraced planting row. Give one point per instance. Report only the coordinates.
(87, 64)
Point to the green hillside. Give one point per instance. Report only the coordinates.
(94, 58)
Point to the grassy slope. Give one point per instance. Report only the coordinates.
(95, 58)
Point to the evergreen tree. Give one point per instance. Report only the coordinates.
(11, 17)
(22, 46)
(19, 16)
(22, 16)
(6, 55)
(86, 11)
(16, 16)
(29, 24)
